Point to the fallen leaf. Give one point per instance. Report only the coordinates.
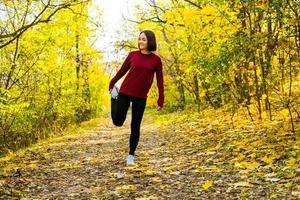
(150, 172)
(126, 188)
(242, 184)
(147, 198)
(247, 165)
(156, 180)
(207, 185)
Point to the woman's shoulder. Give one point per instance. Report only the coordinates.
(157, 56)
(133, 52)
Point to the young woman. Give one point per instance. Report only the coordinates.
(142, 64)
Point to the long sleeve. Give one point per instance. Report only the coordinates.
(160, 84)
(122, 71)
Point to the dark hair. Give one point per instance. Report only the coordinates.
(151, 40)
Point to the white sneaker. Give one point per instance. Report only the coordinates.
(130, 160)
(114, 92)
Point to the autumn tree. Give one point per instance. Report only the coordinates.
(49, 74)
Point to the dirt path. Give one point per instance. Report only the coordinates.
(92, 165)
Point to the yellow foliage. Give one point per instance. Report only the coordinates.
(284, 113)
(202, 93)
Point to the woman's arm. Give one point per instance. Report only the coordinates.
(160, 84)
(122, 71)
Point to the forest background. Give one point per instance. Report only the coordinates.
(237, 58)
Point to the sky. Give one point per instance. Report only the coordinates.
(113, 28)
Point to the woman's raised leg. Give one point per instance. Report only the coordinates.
(119, 108)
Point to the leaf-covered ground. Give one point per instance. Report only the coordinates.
(180, 156)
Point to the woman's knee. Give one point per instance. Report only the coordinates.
(118, 122)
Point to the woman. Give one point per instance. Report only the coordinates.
(141, 64)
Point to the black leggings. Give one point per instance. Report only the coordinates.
(119, 108)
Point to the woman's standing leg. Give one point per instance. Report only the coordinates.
(119, 108)
(138, 107)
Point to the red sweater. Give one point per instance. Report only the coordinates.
(140, 76)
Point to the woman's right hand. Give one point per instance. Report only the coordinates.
(159, 108)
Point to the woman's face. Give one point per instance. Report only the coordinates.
(143, 42)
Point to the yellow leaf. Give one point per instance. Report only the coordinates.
(253, 155)
(247, 165)
(283, 181)
(149, 173)
(270, 158)
(156, 180)
(264, 115)
(290, 175)
(147, 198)
(273, 174)
(202, 93)
(242, 184)
(284, 112)
(207, 185)
(291, 161)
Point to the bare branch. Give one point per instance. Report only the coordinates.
(154, 5)
(126, 44)
(194, 4)
(37, 20)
